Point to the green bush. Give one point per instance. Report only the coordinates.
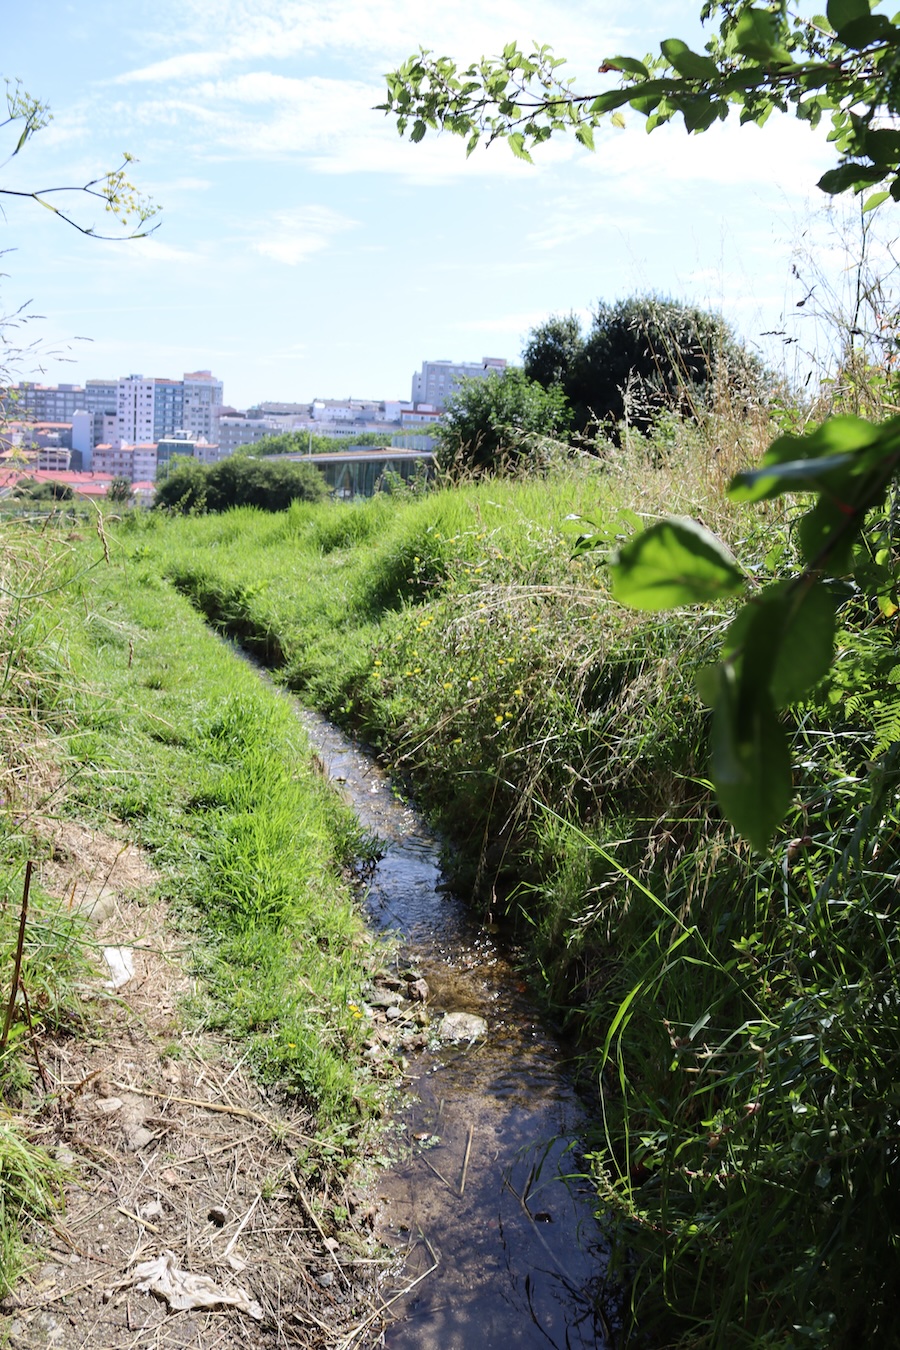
(193, 488)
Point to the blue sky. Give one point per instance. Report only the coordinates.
(306, 251)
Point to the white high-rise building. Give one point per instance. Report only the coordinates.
(436, 381)
(134, 410)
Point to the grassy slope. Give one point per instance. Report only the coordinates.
(166, 734)
(561, 745)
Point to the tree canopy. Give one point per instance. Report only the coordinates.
(119, 491)
(843, 66)
(239, 481)
(642, 356)
(304, 442)
(552, 350)
(499, 421)
(49, 490)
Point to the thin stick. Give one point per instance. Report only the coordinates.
(440, 1176)
(33, 1038)
(136, 1218)
(225, 1110)
(301, 1195)
(17, 964)
(242, 1225)
(465, 1167)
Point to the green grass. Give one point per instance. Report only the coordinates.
(160, 732)
(210, 768)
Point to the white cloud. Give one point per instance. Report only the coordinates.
(155, 250)
(294, 236)
(189, 65)
(329, 123)
(383, 32)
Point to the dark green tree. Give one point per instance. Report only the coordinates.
(238, 481)
(50, 490)
(119, 491)
(553, 349)
(648, 355)
(496, 423)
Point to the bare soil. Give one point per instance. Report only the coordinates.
(172, 1148)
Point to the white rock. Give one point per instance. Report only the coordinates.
(109, 1104)
(120, 961)
(462, 1026)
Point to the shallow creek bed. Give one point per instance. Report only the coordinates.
(486, 1198)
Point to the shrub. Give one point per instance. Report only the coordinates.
(497, 422)
(197, 488)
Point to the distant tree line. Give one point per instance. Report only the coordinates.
(306, 443)
(193, 488)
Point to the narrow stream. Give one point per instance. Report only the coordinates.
(487, 1201)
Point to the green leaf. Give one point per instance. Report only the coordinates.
(802, 475)
(706, 681)
(674, 562)
(826, 537)
(805, 646)
(700, 113)
(841, 443)
(874, 201)
(842, 12)
(627, 65)
(848, 176)
(758, 34)
(882, 147)
(751, 763)
(517, 145)
(834, 437)
(690, 64)
(871, 28)
(585, 134)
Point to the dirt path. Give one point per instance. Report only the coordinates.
(183, 1177)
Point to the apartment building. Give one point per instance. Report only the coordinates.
(234, 431)
(42, 402)
(137, 463)
(202, 395)
(437, 380)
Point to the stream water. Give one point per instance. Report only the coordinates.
(502, 1247)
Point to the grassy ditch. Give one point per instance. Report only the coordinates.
(122, 710)
(739, 1013)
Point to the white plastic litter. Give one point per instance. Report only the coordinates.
(120, 961)
(184, 1291)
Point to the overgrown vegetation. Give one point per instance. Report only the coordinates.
(309, 443)
(737, 1013)
(29, 490)
(502, 423)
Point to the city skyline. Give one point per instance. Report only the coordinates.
(305, 251)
